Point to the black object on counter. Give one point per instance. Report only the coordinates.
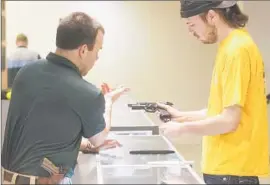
(89, 152)
(151, 152)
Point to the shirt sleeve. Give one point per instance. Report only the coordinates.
(92, 116)
(235, 79)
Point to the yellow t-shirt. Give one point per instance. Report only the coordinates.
(238, 78)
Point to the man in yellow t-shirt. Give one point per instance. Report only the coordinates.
(235, 124)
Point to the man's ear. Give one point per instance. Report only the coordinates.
(211, 17)
(83, 50)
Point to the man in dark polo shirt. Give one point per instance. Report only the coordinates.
(53, 107)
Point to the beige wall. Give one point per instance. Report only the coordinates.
(259, 28)
(153, 54)
(147, 46)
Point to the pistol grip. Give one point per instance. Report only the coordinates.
(164, 115)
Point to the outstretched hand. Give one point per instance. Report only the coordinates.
(115, 93)
(109, 143)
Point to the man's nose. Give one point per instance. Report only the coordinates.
(190, 30)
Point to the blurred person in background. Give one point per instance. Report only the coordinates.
(20, 57)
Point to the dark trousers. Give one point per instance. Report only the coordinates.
(229, 179)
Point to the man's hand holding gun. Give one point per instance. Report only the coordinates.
(165, 115)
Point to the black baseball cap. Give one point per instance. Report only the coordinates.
(191, 8)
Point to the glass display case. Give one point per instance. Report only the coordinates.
(144, 160)
(145, 157)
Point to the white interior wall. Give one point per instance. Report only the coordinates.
(146, 46)
(259, 27)
(145, 49)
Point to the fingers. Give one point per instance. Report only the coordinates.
(163, 126)
(105, 88)
(118, 144)
(169, 128)
(107, 147)
(163, 130)
(110, 144)
(120, 89)
(162, 105)
(114, 142)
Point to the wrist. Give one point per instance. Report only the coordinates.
(108, 102)
(85, 144)
(107, 129)
(177, 115)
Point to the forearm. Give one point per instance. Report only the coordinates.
(99, 138)
(108, 114)
(191, 116)
(211, 126)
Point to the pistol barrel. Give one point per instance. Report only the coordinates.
(136, 106)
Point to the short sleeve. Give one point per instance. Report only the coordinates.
(235, 79)
(92, 116)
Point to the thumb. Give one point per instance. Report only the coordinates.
(162, 126)
(121, 90)
(162, 105)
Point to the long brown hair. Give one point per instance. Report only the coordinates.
(233, 16)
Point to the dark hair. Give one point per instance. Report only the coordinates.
(21, 38)
(233, 16)
(77, 29)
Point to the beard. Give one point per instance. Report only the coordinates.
(210, 35)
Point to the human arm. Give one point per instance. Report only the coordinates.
(110, 97)
(234, 81)
(223, 123)
(97, 128)
(99, 138)
(189, 116)
(184, 116)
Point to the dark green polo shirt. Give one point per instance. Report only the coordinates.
(51, 108)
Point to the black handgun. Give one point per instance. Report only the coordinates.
(150, 107)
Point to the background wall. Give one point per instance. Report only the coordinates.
(145, 49)
(259, 28)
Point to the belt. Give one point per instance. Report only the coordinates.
(22, 179)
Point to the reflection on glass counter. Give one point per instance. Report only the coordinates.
(176, 174)
(118, 165)
(145, 157)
